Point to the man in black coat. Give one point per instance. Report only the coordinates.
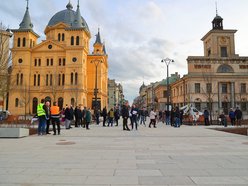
(125, 116)
(104, 115)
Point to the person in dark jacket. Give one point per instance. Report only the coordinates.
(97, 115)
(134, 113)
(88, 118)
(117, 115)
(67, 117)
(76, 114)
(48, 116)
(238, 116)
(232, 116)
(223, 119)
(177, 117)
(125, 116)
(104, 115)
(206, 117)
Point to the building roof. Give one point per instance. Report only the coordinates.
(68, 16)
(98, 38)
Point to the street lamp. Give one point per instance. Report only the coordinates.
(96, 62)
(167, 61)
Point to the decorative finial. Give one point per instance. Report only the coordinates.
(27, 3)
(78, 4)
(216, 8)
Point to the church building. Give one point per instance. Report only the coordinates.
(61, 67)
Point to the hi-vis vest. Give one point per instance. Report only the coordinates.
(40, 110)
(55, 112)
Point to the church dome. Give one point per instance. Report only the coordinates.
(67, 16)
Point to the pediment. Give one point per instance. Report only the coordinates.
(48, 46)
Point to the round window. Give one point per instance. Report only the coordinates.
(20, 60)
(50, 46)
(74, 59)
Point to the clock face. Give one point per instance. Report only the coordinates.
(50, 46)
(20, 60)
(74, 59)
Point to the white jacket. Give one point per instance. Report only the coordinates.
(152, 115)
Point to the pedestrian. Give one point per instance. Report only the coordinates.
(152, 118)
(177, 117)
(232, 116)
(223, 119)
(48, 116)
(142, 116)
(104, 115)
(41, 113)
(55, 115)
(83, 116)
(134, 113)
(110, 117)
(117, 115)
(97, 115)
(71, 115)
(206, 117)
(238, 116)
(125, 116)
(167, 117)
(67, 118)
(76, 114)
(172, 117)
(88, 118)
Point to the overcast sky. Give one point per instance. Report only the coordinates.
(139, 33)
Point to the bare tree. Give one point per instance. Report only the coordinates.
(24, 97)
(5, 60)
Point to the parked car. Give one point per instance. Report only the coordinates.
(4, 114)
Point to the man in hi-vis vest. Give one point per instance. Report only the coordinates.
(41, 113)
(55, 115)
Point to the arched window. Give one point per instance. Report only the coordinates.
(47, 62)
(35, 104)
(39, 62)
(24, 42)
(59, 61)
(59, 80)
(72, 102)
(63, 79)
(76, 78)
(16, 102)
(71, 78)
(18, 42)
(21, 82)
(59, 37)
(52, 62)
(34, 79)
(47, 80)
(77, 40)
(225, 69)
(63, 37)
(35, 62)
(72, 40)
(17, 79)
(60, 103)
(63, 61)
(38, 80)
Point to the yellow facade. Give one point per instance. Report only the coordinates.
(60, 68)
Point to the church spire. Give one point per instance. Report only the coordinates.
(104, 48)
(98, 37)
(26, 21)
(78, 22)
(69, 5)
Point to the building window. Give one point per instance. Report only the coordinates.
(72, 102)
(59, 35)
(243, 106)
(47, 62)
(24, 42)
(76, 78)
(164, 94)
(223, 51)
(71, 78)
(72, 40)
(18, 42)
(77, 40)
(209, 52)
(51, 62)
(17, 79)
(35, 104)
(38, 80)
(224, 87)
(21, 82)
(209, 106)
(59, 79)
(35, 62)
(225, 69)
(197, 88)
(243, 88)
(16, 102)
(63, 37)
(63, 61)
(47, 80)
(51, 79)
(63, 79)
(39, 62)
(60, 62)
(209, 87)
(34, 79)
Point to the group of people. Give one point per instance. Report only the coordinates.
(48, 115)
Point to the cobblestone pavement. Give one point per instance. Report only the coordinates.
(189, 155)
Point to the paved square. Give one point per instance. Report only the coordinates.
(190, 155)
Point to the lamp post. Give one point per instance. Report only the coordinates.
(167, 61)
(96, 62)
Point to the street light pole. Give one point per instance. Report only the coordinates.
(96, 62)
(167, 61)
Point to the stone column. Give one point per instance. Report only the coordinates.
(232, 94)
